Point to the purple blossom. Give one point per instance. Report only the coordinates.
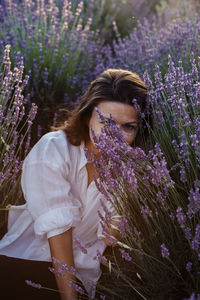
(33, 284)
(112, 240)
(161, 197)
(76, 287)
(64, 267)
(123, 226)
(164, 251)
(193, 297)
(125, 255)
(56, 272)
(188, 266)
(146, 211)
(32, 112)
(196, 239)
(101, 257)
(194, 200)
(6, 56)
(80, 245)
(39, 131)
(172, 217)
(181, 217)
(136, 105)
(107, 213)
(188, 234)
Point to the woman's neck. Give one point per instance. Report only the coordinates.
(91, 148)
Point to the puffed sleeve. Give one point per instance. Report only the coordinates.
(46, 186)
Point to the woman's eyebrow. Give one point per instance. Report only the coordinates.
(135, 122)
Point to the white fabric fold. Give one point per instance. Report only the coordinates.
(51, 221)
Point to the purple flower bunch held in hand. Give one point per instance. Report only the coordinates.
(13, 134)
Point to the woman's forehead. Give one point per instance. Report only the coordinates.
(120, 112)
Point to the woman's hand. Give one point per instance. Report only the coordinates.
(113, 231)
(61, 249)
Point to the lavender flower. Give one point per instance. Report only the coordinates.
(101, 257)
(193, 297)
(196, 240)
(145, 211)
(32, 112)
(164, 251)
(56, 272)
(123, 226)
(194, 200)
(64, 267)
(76, 287)
(180, 216)
(125, 255)
(188, 234)
(188, 267)
(80, 245)
(33, 284)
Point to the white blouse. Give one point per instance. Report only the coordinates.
(54, 182)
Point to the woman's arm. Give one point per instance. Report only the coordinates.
(61, 249)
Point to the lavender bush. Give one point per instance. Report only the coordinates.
(151, 41)
(156, 193)
(60, 42)
(14, 127)
(57, 45)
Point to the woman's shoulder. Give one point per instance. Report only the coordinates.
(53, 148)
(55, 137)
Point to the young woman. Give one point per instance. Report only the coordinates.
(62, 200)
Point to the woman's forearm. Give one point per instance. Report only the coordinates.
(61, 248)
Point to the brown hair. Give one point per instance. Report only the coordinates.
(115, 85)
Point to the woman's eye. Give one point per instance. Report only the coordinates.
(105, 122)
(129, 127)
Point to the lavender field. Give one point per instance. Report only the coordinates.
(49, 53)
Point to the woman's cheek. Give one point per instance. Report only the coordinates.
(130, 139)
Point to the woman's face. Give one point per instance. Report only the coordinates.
(124, 115)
